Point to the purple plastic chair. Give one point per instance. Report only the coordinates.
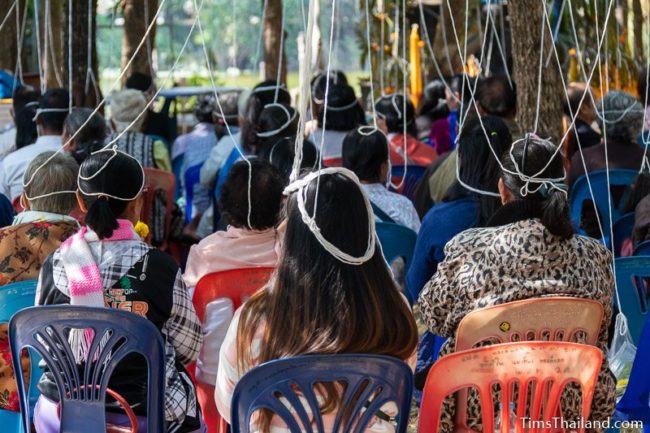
(82, 388)
(371, 381)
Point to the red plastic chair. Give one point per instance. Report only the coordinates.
(237, 285)
(156, 180)
(546, 366)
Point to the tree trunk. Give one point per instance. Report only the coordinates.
(8, 41)
(444, 44)
(272, 38)
(637, 23)
(138, 14)
(526, 22)
(51, 21)
(85, 79)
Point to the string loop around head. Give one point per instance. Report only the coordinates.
(301, 186)
(290, 118)
(102, 194)
(40, 111)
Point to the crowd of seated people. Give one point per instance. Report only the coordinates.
(491, 214)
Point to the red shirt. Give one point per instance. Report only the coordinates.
(417, 152)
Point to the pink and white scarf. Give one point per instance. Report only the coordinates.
(84, 276)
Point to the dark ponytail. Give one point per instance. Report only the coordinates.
(121, 177)
(532, 154)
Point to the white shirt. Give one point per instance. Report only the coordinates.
(7, 141)
(396, 206)
(332, 142)
(218, 156)
(13, 167)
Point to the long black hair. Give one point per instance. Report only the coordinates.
(531, 156)
(391, 108)
(344, 113)
(89, 138)
(364, 154)
(282, 152)
(121, 177)
(273, 119)
(262, 95)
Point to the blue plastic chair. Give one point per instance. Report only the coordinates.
(82, 389)
(598, 179)
(382, 378)
(630, 275)
(413, 175)
(634, 404)
(13, 298)
(191, 178)
(643, 249)
(177, 167)
(623, 228)
(396, 241)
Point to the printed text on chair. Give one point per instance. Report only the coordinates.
(371, 381)
(530, 363)
(82, 390)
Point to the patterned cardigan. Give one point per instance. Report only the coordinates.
(23, 249)
(520, 260)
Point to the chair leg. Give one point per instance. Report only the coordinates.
(211, 416)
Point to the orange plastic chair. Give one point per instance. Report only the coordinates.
(237, 285)
(156, 180)
(556, 318)
(546, 366)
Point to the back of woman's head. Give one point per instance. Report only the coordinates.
(89, 135)
(477, 165)
(318, 304)
(319, 84)
(434, 104)
(56, 174)
(542, 181)
(265, 93)
(365, 154)
(108, 181)
(281, 155)
(344, 113)
(205, 109)
(391, 109)
(24, 105)
(276, 120)
(621, 117)
(266, 185)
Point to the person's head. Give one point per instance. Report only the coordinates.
(126, 106)
(585, 112)
(142, 82)
(229, 112)
(642, 85)
(529, 157)
(205, 109)
(318, 304)
(366, 154)
(391, 109)
(434, 104)
(319, 84)
(88, 137)
(265, 93)
(477, 166)
(620, 117)
(496, 96)
(266, 186)
(458, 90)
(276, 121)
(282, 153)
(344, 113)
(56, 175)
(54, 104)
(23, 110)
(110, 187)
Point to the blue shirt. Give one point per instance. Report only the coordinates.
(442, 222)
(6, 212)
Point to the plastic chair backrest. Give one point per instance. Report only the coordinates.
(13, 298)
(236, 284)
(623, 228)
(177, 167)
(642, 249)
(632, 278)
(598, 180)
(553, 318)
(82, 389)
(396, 241)
(382, 378)
(413, 175)
(634, 404)
(156, 180)
(533, 362)
(191, 178)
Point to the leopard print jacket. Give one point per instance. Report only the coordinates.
(490, 266)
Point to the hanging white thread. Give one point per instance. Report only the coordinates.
(115, 151)
(290, 118)
(301, 187)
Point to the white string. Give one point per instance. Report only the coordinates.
(70, 54)
(18, 71)
(301, 186)
(280, 53)
(52, 54)
(37, 26)
(539, 74)
(9, 11)
(115, 151)
(290, 118)
(39, 111)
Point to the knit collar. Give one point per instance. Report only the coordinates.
(516, 210)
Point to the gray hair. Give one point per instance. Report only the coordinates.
(620, 117)
(59, 174)
(126, 106)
